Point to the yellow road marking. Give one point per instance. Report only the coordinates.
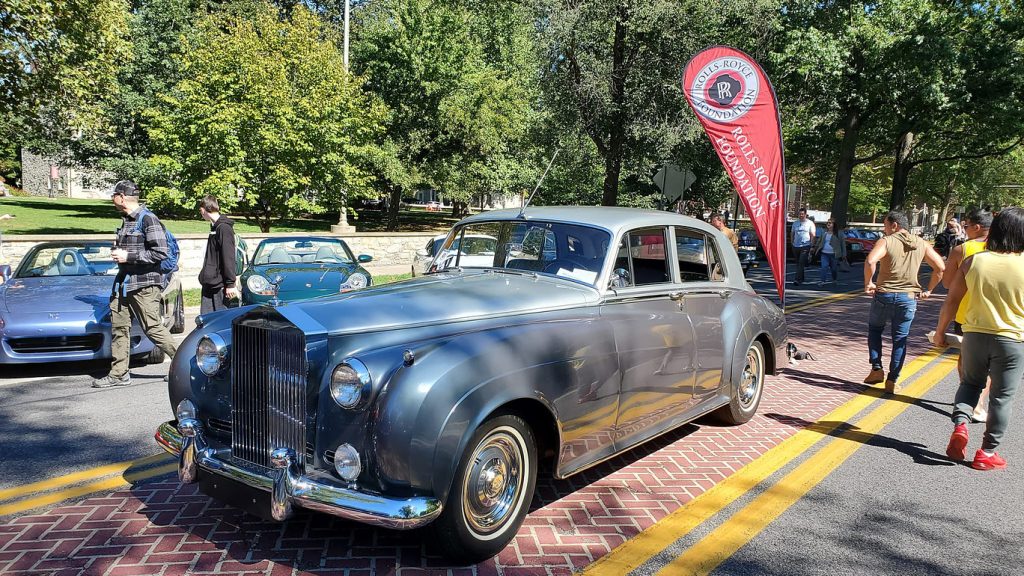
(97, 486)
(99, 471)
(632, 553)
(822, 300)
(742, 527)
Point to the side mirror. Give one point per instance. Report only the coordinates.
(5, 273)
(364, 258)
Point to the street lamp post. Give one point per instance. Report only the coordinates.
(343, 226)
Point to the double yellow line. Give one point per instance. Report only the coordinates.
(823, 300)
(108, 477)
(745, 524)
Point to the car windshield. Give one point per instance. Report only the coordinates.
(567, 250)
(80, 260)
(302, 251)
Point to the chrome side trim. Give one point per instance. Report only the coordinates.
(289, 487)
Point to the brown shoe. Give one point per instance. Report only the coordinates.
(892, 387)
(875, 377)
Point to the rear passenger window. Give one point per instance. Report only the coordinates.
(642, 256)
(698, 257)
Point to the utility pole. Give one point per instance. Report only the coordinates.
(343, 225)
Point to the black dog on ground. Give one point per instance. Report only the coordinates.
(794, 354)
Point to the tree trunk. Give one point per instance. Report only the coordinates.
(393, 208)
(617, 120)
(844, 170)
(901, 171)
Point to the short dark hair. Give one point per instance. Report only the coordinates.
(980, 217)
(210, 203)
(900, 218)
(1007, 231)
(126, 188)
(716, 215)
(804, 210)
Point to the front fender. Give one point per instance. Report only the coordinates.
(766, 319)
(428, 411)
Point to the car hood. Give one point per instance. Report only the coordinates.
(74, 294)
(303, 277)
(441, 298)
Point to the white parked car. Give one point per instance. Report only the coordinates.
(474, 250)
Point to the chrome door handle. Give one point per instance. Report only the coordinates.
(677, 296)
(725, 294)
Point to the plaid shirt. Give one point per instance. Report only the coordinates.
(146, 249)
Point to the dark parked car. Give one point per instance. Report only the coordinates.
(441, 399)
(56, 306)
(295, 268)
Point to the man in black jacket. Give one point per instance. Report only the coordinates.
(217, 277)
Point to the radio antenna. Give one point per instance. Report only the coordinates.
(537, 187)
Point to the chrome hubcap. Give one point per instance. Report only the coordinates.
(493, 482)
(753, 373)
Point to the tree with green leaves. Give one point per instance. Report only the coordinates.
(58, 63)
(614, 72)
(459, 80)
(265, 117)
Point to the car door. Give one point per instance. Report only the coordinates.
(653, 338)
(702, 282)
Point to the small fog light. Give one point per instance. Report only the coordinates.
(186, 410)
(346, 462)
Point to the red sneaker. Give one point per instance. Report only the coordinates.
(985, 462)
(957, 447)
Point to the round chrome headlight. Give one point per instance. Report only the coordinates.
(346, 462)
(259, 285)
(356, 281)
(186, 410)
(211, 354)
(350, 383)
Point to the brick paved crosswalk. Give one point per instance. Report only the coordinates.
(161, 528)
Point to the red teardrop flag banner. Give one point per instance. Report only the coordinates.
(736, 104)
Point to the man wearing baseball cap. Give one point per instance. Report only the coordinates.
(140, 247)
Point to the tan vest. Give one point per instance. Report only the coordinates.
(898, 269)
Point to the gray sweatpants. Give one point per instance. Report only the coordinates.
(984, 356)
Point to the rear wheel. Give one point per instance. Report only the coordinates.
(155, 356)
(179, 315)
(746, 393)
(491, 492)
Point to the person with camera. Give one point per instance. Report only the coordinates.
(140, 247)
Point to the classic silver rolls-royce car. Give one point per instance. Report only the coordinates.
(441, 398)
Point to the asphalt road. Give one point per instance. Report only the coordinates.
(52, 422)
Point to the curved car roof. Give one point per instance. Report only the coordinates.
(613, 219)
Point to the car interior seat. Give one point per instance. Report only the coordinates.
(325, 253)
(71, 263)
(280, 256)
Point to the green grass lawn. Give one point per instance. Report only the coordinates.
(192, 295)
(73, 216)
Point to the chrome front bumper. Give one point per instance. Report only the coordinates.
(288, 486)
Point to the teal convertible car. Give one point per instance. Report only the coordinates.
(295, 268)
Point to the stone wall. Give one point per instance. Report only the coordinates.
(392, 252)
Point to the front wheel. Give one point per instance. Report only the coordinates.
(746, 393)
(491, 492)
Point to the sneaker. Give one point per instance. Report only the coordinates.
(876, 376)
(892, 387)
(980, 415)
(957, 447)
(111, 381)
(983, 461)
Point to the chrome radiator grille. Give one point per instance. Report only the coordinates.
(268, 391)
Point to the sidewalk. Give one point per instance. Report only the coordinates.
(163, 528)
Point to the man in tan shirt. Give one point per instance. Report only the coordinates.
(718, 222)
(898, 257)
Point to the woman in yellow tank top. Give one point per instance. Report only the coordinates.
(992, 285)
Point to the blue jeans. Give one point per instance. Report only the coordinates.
(897, 308)
(828, 267)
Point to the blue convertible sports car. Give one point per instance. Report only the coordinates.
(302, 267)
(56, 306)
